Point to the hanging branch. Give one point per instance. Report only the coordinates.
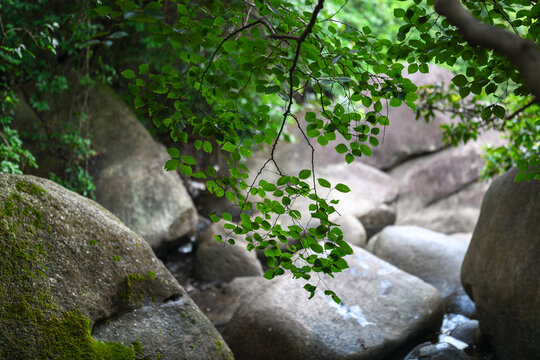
(523, 53)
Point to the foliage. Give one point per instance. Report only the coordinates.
(223, 75)
(12, 154)
(37, 38)
(238, 62)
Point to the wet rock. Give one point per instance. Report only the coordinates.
(382, 308)
(466, 332)
(441, 351)
(216, 261)
(433, 257)
(501, 270)
(66, 264)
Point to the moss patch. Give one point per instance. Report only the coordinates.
(135, 287)
(31, 325)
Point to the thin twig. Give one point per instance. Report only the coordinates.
(216, 51)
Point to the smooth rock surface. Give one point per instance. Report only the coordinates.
(130, 178)
(441, 351)
(457, 213)
(466, 332)
(501, 270)
(424, 181)
(433, 257)
(66, 264)
(220, 304)
(172, 330)
(382, 308)
(216, 261)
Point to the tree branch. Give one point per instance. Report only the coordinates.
(301, 39)
(523, 53)
(216, 51)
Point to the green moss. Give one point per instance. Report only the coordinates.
(29, 188)
(134, 287)
(116, 258)
(93, 242)
(138, 348)
(31, 325)
(151, 275)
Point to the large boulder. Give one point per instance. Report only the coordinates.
(457, 213)
(220, 303)
(426, 180)
(128, 170)
(382, 308)
(406, 136)
(433, 257)
(221, 261)
(131, 180)
(501, 270)
(67, 264)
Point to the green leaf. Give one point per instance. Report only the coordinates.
(395, 102)
(269, 274)
(128, 74)
(316, 248)
(499, 111)
(138, 102)
(342, 188)
(341, 148)
(207, 147)
(271, 262)
(412, 68)
(172, 164)
(189, 160)
(229, 147)
(226, 216)
(522, 165)
(365, 150)
(324, 183)
(245, 151)
(143, 69)
(174, 152)
(399, 13)
(460, 80)
(304, 174)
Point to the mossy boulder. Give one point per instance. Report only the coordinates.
(66, 264)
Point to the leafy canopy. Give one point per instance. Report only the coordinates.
(224, 75)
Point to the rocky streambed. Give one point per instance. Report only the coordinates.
(443, 268)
